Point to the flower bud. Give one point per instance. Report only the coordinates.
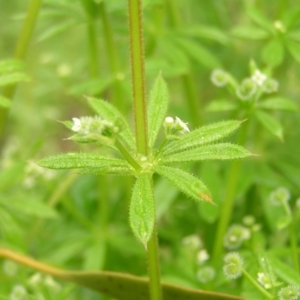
(247, 89)
(291, 292)
(219, 78)
(233, 266)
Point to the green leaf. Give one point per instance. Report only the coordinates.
(208, 152)
(270, 124)
(284, 271)
(11, 65)
(12, 78)
(221, 105)
(206, 32)
(273, 53)
(201, 136)
(278, 103)
(199, 53)
(258, 18)
(249, 33)
(157, 108)
(108, 112)
(142, 211)
(117, 285)
(185, 182)
(79, 160)
(91, 7)
(5, 102)
(124, 170)
(294, 49)
(31, 207)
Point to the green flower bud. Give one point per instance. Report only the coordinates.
(291, 292)
(219, 78)
(235, 236)
(247, 89)
(279, 196)
(233, 266)
(270, 86)
(206, 274)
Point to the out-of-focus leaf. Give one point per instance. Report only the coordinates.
(117, 285)
(221, 105)
(294, 49)
(278, 103)
(258, 18)
(5, 102)
(28, 206)
(142, 211)
(221, 151)
(10, 176)
(201, 136)
(12, 78)
(157, 108)
(273, 53)
(199, 53)
(270, 124)
(249, 33)
(186, 183)
(11, 65)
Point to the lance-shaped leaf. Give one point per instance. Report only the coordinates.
(11, 65)
(185, 182)
(4, 102)
(157, 108)
(12, 78)
(142, 211)
(270, 124)
(208, 152)
(80, 160)
(202, 135)
(278, 103)
(115, 285)
(124, 170)
(110, 113)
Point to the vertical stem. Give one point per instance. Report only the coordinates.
(229, 200)
(140, 115)
(117, 95)
(93, 49)
(187, 80)
(138, 75)
(21, 51)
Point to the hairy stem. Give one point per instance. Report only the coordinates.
(21, 51)
(140, 115)
(227, 206)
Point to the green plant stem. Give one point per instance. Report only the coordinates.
(117, 95)
(138, 75)
(229, 200)
(21, 51)
(256, 285)
(140, 116)
(93, 49)
(187, 80)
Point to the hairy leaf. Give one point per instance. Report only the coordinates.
(80, 160)
(185, 182)
(110, 170)
(270, 123)
(208, 152)
(108, 112)
(142, 211)
(202, 136)
(157, 108)
(116, 285)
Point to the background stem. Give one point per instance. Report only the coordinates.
(21, 51)
(227, 206)
(140, 115)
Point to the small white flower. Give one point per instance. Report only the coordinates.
(77, 124)
(192, 241)
(35, 280)
(219, 77)
(169, 120)
(258, 77)
(202, 256)
(182, 125)
(279, 26)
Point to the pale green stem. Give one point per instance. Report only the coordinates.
(117, 95)
(256, 285)
(93, 49)
(187, 80)
(228, 204)
(140, 116)
(21, 51)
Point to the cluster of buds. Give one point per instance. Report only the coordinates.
(175, 127)
(233, 265)
(235, 236)
(92, 129)
(258, 82)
